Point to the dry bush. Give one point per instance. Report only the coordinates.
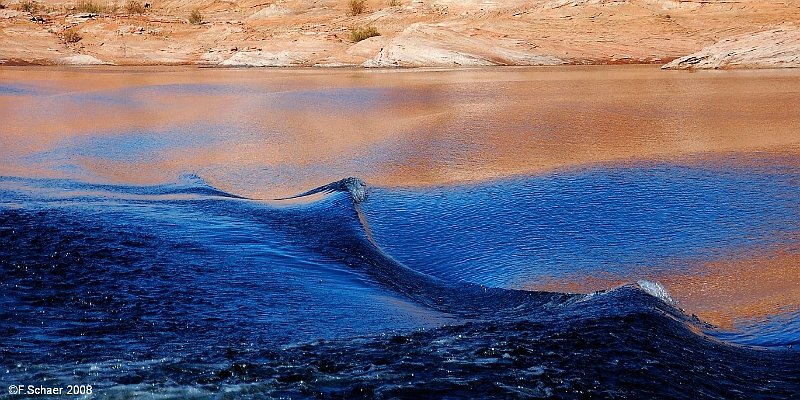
(28, 6)
(71, 36)
(87, 6)
(361, 33)
(134, 7)
(2, 6)
(355, 7)
(394, 3)
(195, 17)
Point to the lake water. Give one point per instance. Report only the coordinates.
(609, 231)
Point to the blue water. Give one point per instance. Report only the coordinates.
(183, 289)
(652, 217)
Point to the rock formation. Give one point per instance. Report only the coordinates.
(776, 48)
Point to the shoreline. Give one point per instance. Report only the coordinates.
(48, 64)
(663, 63)
(576, 63)
(37, 64)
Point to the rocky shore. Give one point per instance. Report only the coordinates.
(401, 33)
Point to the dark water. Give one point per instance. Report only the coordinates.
(183, 290)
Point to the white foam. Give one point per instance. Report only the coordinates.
(656, 290)
(357, 189)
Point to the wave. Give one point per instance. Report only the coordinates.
(343, 232)
(467, 300)
(222, 293)
(481, 302)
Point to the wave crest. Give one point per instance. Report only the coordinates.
(656, 290)
(354, 186)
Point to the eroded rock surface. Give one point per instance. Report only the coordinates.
(776, 48)
(263, 59)
(422, 45)
(81, 59)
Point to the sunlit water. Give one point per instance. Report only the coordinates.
(142, 250)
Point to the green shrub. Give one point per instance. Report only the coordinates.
(134, 7)
(71, 36)
(361, 33)
(87, 6)
(355, 7)
(195, 17)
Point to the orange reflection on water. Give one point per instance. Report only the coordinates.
(268, 133)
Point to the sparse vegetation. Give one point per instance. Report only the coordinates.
(71, 36)
(28, 6)
(134, 7)
(394, 3)
(355, 7)
(2, 6)
(195, 17)
(85, 6)
(365, 32)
